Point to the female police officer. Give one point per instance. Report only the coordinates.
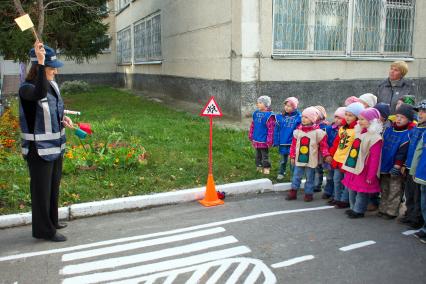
(42, 124)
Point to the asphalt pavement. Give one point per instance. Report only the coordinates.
(256, 238)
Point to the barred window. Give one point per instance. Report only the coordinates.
(122, 4)
(124, 48)
(147, 39)
(343, 27)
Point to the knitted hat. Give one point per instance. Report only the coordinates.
(402, 66)
(421, 106)
(323, 113)
(369, 99)
(370, 114)
(384, 110)
(406, 110)
(340, 112)
(264, 100)
(311, 113)
(350, 100)
(355, 108)
(408, 99)
(294, 102)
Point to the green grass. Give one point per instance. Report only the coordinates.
(176, 142)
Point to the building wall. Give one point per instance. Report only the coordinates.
(224, 48)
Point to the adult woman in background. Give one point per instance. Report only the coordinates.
(395, 86)
(42, 124)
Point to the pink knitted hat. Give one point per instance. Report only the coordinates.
(294, 102)
(350, 100)
(340, 112)
(323, 113)
(311, 113)
(370, 114)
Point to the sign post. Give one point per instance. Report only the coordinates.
(211, 199)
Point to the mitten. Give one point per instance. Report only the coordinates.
(395, 172)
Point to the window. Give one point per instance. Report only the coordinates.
(124, 48)
(343, 27)
(122, 4)
(147, 39)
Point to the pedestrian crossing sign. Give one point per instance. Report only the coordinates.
(211, 109)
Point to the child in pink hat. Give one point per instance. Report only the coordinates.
(308, 142)
(362, 163)
(286, 123)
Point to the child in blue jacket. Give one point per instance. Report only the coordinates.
(332, 131)
(286, 123)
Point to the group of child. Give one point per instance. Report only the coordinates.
(373, 159)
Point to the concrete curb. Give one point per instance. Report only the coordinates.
(146, 201)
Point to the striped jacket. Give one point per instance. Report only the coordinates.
(49, 134)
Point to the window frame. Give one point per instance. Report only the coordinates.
(348, 53)
(148, 59)
(119, 50)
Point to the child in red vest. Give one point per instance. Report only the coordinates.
(363, 162)
(308, 142)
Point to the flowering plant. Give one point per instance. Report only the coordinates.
(112, 154)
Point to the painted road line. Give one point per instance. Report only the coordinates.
(158, 234)
(197, 275)
(157, 267)
(237, 273)
(143, 257)
(171, 276)
(137, 245)
(219, 274)
(170, 279)
(410, 232)
(292, 261)
(253, 276)
(357, 245)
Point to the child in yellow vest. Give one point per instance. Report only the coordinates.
(308, 142)
(341, 145)
(362, 162)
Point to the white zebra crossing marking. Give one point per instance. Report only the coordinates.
(143, 257)
(259, 268)
(159, 266)
(131, 246)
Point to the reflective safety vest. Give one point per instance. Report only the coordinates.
(49, 134)
(260, 118)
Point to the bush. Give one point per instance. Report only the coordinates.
(75, 87)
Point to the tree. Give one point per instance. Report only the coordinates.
(74, 27)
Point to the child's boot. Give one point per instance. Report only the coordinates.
(308, 197)
(259, 169)
(266, 171)
(291, 195)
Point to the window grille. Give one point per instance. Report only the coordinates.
(343, 27)
(122, 4)
(124, 49)
(147, 39)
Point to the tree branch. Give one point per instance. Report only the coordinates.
(70, 3)
(40, 17)
(18, 7)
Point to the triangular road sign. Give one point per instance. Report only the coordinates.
(211, 109)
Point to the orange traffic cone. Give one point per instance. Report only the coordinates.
(210, 197)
